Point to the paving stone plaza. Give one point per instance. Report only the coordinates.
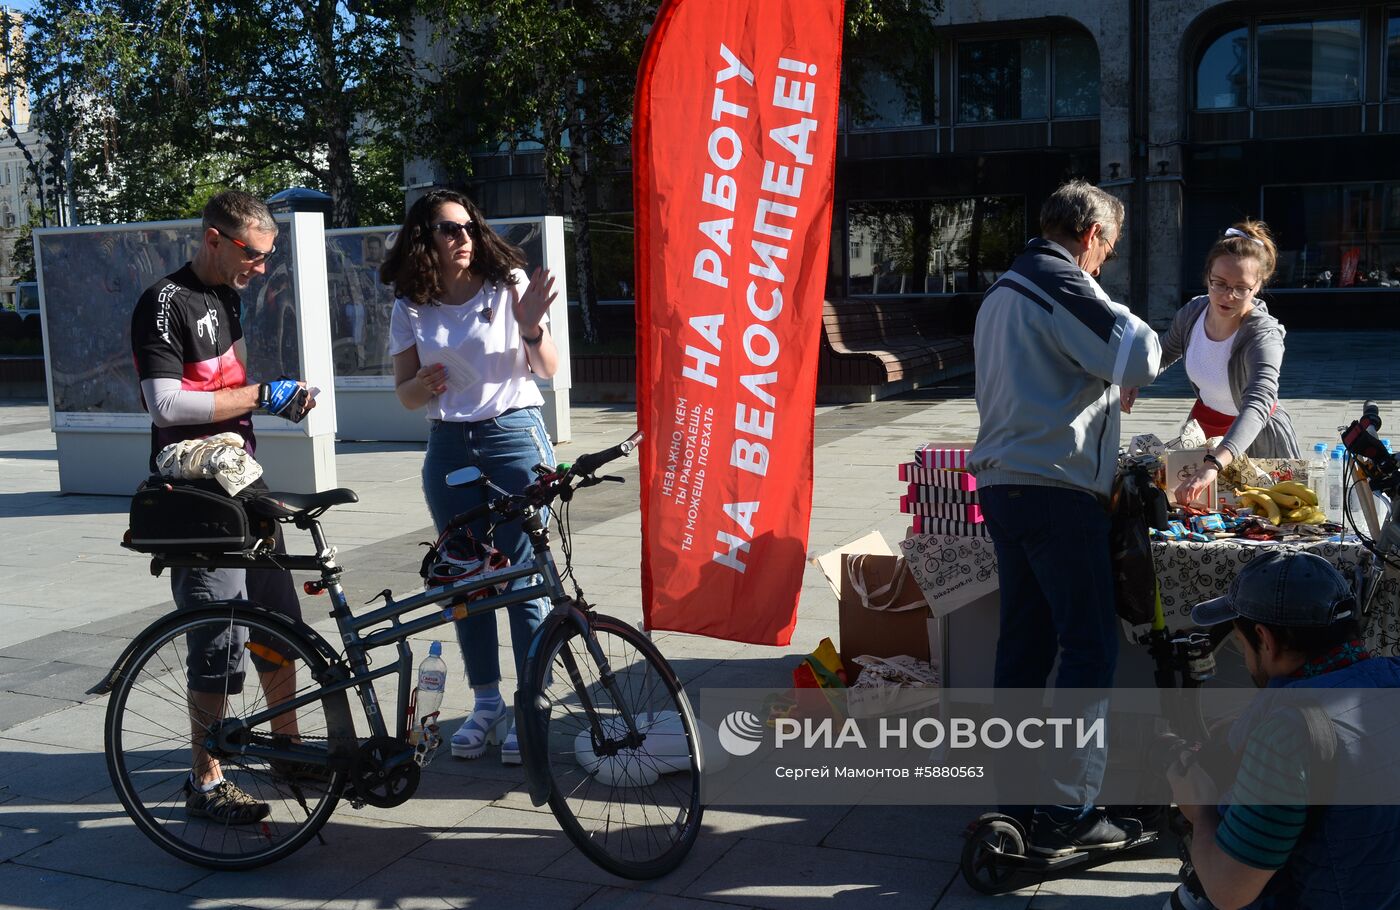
(71, 598)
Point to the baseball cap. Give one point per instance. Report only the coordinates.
(1282, 588)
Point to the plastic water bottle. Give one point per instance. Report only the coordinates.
(1334, 486)
(1317, 468)
(432, 682)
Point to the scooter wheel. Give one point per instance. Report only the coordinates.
(990, 858)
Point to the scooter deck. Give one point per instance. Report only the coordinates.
(1032, 863)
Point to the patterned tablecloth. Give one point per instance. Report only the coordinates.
(954, 571)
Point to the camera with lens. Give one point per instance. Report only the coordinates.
(1168, 749)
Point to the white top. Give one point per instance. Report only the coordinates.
(1208, 365)
(479, 343)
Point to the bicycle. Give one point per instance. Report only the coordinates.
(607, 735)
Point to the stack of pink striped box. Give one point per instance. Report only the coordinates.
(942, 496)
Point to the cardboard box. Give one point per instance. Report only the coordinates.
(882, 577)
(1182, 464)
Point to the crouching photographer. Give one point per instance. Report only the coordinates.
(1278, 838)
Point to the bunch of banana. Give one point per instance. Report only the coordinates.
(1288, 501)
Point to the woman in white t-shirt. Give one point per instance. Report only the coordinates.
(468, 335)
(1233, 351)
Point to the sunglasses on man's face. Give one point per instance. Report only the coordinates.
(455, 229)
(252, 254)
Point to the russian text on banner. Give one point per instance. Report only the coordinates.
(733, 152)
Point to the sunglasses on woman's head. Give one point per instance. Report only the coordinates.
(454, 229)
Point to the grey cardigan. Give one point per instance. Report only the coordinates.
(1255, 360)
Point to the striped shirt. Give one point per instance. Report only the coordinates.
(1263, 824)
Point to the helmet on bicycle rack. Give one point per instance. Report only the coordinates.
(458, 556)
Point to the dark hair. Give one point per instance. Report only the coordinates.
(1077, 206)
(1309, 641)
(1257, 244)
(233, 210)
(411, 266)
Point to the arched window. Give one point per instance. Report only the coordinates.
(1281, 64)
(1222, 75)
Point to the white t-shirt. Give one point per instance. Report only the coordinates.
(1208, 365)
(479, 343)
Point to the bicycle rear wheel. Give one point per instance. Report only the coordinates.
(149, 731)
(630, 803)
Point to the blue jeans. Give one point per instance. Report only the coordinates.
(505, 448)
(1057, 599)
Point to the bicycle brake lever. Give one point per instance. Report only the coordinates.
(386, 594)
(612, 478)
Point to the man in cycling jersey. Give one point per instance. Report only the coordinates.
(191, 359)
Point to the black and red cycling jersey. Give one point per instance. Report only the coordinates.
(184, 329)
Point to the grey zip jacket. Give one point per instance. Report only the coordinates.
(1051, 350)
(1256, 357)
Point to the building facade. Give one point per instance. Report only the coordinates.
(1196, 113)
(20, 146)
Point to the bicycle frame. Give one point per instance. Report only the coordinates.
(361, 634)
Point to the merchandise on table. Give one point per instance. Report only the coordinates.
(925, 524)
(959, 511)
(923, 492)
(942, 495)
(944, 478)
(932, 455)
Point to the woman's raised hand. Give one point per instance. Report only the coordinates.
(530, 307)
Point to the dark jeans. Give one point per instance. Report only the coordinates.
(1056, 600)
(505, 448)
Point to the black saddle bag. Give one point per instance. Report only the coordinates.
(194, 516)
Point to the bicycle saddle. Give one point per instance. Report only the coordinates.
(289, 505)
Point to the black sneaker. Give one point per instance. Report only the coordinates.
(1095, 831)
(225, 803)
(1189, 895)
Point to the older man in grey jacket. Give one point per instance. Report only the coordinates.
(1052, 351)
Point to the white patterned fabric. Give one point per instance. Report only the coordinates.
(1187, 573)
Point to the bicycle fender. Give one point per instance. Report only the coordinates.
(115, 673)
(531, 742)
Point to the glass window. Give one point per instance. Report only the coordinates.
(610, 236)
(891, 104)
(933, 246)
(1392, 57)
(1316, 62)
(1076, 76)
(1342, 235)
(1004, 79)
(1222, 76)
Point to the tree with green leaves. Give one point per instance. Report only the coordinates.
(562, 73)
(156, 103)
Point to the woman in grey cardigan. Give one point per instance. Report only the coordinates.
(1233, 351)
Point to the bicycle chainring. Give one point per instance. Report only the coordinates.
(379, 785)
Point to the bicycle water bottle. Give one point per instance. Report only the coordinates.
(432, 681)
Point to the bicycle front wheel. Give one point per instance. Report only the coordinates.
(162, 712)
(621, 750)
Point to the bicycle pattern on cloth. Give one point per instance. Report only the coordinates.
(954, 571)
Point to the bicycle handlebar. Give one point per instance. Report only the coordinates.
(586, 465)
(549, 487)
